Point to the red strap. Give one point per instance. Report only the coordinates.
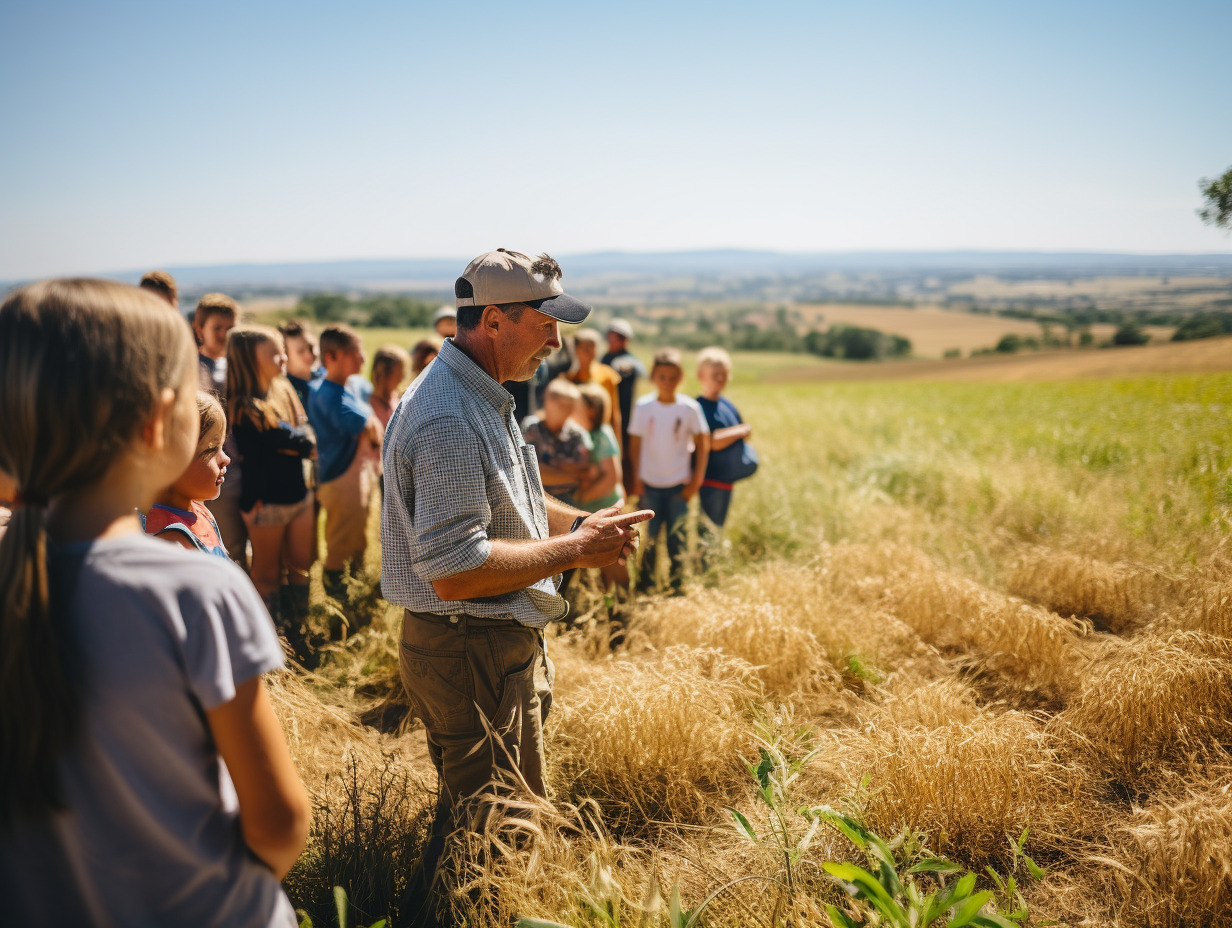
(714, 484)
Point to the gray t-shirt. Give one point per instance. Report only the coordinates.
(151, 833)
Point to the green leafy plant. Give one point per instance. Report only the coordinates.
(1008, 895)
(928, 892)
(791, 831)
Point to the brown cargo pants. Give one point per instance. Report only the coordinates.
(482, 688)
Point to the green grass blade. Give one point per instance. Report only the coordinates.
(340, 905)
(743, 826)
(992, 921)
(675, 914)
(935, 865)
(869, 888)
(969, 908)
(888, 877)
(949, 897)
(853, 832)
(840, 919)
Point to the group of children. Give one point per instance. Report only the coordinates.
(295, 429)
(677, 448)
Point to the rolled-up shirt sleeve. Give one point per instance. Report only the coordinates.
(450, 513)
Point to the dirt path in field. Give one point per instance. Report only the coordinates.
(1204, 356)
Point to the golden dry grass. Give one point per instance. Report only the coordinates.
(371, 798)
(1114, 596)
(1029, 650)
(799, 634)
(1170, 863)
(1209, 610)
(900, 593)
(656, 740)
(1155, 704)
(969, 784)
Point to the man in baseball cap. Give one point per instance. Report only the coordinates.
(472, 548)
(501, 277)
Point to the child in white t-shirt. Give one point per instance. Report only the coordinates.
(669, 443)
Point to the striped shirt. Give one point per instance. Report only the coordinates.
(457, 475)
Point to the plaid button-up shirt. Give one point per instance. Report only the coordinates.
(457, 475)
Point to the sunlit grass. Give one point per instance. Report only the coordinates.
(995, 606)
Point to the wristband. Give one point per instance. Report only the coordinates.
(577, 523)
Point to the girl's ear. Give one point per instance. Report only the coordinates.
(154, 431)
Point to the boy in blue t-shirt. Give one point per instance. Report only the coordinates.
(347, 436)
(727, 434)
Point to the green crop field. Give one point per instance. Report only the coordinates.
(956, 613)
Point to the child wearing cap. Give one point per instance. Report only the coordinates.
(620, 359)
(669, 444)
(445, 321)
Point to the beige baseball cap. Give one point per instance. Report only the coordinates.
(505, 276)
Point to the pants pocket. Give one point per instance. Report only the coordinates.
(517, 728)
(437, 679)
(500, 658)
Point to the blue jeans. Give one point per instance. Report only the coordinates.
(670, 509)
(714, 503)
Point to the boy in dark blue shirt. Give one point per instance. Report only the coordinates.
(727, 435)
(348, 434)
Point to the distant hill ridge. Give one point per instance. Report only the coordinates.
(440, 272)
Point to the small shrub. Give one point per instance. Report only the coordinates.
(1130, 334)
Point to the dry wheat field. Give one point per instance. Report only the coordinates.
(988, 621)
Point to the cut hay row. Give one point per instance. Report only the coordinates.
(1155, 705)
(1170, 863)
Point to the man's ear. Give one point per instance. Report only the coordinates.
(154, 430)
(491, 319)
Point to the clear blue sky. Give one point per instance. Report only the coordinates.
(149, 134)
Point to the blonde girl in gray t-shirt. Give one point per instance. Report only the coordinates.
(146, 780)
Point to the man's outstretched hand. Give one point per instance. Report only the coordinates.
(608, 536)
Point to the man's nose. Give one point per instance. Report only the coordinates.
(553, 341)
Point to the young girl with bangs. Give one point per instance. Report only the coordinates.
(273, 437)
(145, 778)
(180, 515)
